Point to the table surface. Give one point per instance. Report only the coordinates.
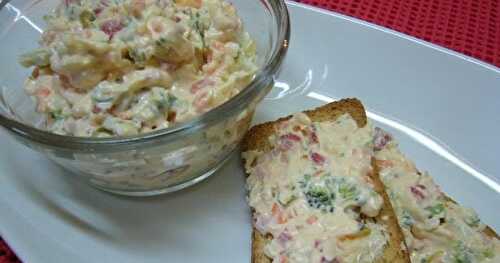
(471, 27)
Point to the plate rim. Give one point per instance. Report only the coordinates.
(393, 32)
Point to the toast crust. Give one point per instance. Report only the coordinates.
(257, 139)
(490, 232)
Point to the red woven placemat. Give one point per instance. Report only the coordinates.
(6, 255)
(471, 27)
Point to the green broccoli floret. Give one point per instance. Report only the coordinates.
(321, 198)
(461, 253)
(435, 209)
(347, 191)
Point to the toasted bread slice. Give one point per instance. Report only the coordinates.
(432, 223)
(257, 139)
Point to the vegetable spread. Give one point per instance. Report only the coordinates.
(313, 193)
(436, 229)
(123, 67)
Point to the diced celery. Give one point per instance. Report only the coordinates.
(86, 18)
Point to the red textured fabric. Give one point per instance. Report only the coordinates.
(471, 27)
(6, 255)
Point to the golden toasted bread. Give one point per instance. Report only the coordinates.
(410, 190)
(257, 139)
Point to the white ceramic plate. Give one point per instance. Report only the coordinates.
(443, 107)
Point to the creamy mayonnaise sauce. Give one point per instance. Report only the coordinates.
(312, 192)
(435, 228)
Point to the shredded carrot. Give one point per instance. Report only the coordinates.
(276, 209)
(312, 219)
(282, 219)
(318, 173)
(384, 163)
(279, 214)
(43, 92)
(190, 3)
(363, 233)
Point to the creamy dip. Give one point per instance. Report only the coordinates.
(313, 193)
(124, 67)
(436, 229)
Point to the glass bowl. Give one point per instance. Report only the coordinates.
(152, 163)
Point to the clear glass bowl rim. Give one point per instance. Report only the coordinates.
(280, 13)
